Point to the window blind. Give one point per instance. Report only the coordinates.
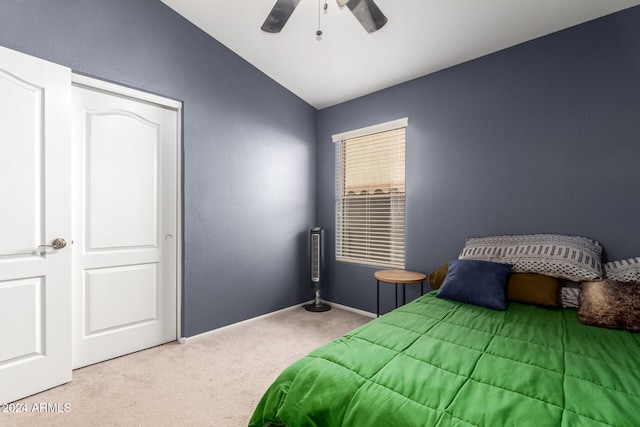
(370, 198)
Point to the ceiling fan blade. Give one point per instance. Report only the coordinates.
(368, 13)
(279, 15)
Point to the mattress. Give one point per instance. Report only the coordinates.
(435, 362)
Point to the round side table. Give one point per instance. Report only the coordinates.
(401, 277)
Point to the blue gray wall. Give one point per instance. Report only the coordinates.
(245, 214)
(543, 137)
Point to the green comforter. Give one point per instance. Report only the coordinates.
(435, 362)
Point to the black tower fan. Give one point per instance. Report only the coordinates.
(316, 240)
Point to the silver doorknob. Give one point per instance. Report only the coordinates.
(58, 243)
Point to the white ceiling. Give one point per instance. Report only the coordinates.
(422, 36)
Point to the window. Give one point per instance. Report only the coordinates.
(370, 195)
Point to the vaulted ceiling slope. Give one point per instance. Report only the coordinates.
(421, 37)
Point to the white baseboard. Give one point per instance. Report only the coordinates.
(187, 340)
(351, 309)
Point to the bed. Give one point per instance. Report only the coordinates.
(442, 362)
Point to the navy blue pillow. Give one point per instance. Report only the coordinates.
(476, 282)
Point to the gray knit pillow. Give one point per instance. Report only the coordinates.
(568, 257)
(627, 270)
(569, 295)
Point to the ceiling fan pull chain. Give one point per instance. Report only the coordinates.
(320, 8)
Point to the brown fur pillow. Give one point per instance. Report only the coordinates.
(610, 304)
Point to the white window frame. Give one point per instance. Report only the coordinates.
(362, 235)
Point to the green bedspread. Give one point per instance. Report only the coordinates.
(435, 362)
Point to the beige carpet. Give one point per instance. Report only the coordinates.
(213, 381)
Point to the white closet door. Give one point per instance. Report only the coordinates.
(35, 209)
(125, 230)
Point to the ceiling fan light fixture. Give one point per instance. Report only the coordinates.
(366, 12)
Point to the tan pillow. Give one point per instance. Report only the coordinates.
(610, 304)
(532, 288)
(436, 278)
(528, 288)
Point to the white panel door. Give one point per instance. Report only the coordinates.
(35, 209)
(125, 245)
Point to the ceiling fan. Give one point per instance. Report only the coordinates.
(366, 11)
